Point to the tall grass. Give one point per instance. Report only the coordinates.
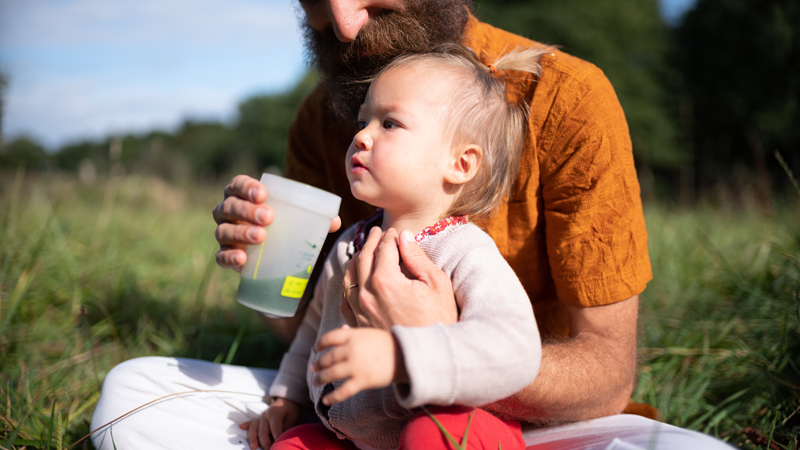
(720, 324)
(92, 275)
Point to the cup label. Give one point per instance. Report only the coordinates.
(294, 287)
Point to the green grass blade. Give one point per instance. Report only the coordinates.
(788, 171)
(19, 291)
(441, 428)
(52, 424)
(11, 439)
(466, 431)
(35, 443)
(235, 344)
(111, 431)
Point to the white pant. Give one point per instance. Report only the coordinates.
(209, 420)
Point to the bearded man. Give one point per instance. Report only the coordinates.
(573, 231)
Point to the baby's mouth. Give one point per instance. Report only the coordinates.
(355, 163)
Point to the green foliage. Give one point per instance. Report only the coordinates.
(627, 39)
(721, 322)
(92, 275)
(740, 66)
(22, 151)
(264, 122)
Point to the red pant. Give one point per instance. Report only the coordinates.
(486, 432)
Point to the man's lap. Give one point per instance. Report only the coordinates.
(234, 395)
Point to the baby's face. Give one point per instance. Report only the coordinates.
(398, 159)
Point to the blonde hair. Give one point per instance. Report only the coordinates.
(480, 114)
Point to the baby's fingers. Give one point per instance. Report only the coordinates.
(343, 392)
(332, 373)
(337, 355)
(258, 433)
(276, 425)
(337, 337)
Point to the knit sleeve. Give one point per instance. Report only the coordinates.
(290, 383)
(493, 351)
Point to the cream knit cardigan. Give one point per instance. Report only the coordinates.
(493, 351)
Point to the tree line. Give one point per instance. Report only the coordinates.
(709, 101)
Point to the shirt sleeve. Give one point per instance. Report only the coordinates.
(290, 383)
(493, 351)
(595, 231)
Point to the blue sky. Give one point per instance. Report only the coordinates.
(88, 68)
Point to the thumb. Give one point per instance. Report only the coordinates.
(417, 262)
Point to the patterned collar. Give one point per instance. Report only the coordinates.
(377, 218)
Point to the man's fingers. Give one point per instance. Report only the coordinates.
(417, 262)
(336, 223)
(366, 256)
(246, 188)
(347, 312)
(231, 258)
(349, 306)
(234, 209)
(387, 257)
(342, 393)
(237, 235)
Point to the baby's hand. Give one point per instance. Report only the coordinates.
(368, 358)
(279, 417)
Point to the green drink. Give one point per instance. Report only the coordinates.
(277, 271)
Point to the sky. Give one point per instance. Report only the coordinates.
(81, 69)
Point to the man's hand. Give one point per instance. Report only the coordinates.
(384, 296)
(367, 357)
(279, 417)
(241, 218)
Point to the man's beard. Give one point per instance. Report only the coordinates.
(347, 67)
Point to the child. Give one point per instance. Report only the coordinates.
(438, 146)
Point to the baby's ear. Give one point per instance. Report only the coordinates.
(464, 165)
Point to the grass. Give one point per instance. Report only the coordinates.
(92, 275)
(720, 324)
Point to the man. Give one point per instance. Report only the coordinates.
(577, 191)
(573, 232)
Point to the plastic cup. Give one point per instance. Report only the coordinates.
(277, 271)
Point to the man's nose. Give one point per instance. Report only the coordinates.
(347, 17)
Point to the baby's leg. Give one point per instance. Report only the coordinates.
(485, 431)
(308, 437)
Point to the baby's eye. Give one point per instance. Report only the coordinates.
(389, 124)
(361, 124)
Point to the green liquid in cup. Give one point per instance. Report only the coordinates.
(266, 295)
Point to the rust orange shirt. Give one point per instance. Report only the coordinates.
(573, 230)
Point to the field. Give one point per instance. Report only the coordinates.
(95, 274)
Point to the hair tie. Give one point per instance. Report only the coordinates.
(492, 69)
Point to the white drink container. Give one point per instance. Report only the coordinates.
(277, 270)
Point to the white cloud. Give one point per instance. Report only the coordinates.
(62, 111)
(115, 22)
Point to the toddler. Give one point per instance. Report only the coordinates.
(437, 149)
